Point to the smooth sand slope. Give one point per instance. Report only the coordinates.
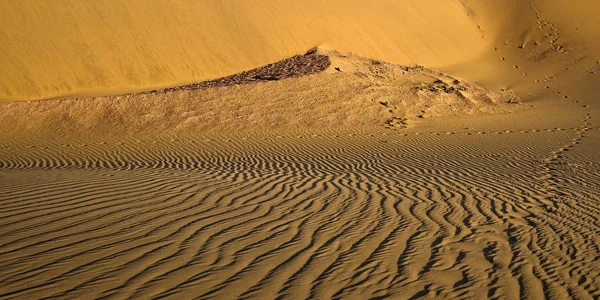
(440, 151)
(50, 49)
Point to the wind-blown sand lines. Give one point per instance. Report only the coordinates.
(219, 222)
(324, 175)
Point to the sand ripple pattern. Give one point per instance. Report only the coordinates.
(333, 217)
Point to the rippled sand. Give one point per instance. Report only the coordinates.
(368, 214)
(346, 171)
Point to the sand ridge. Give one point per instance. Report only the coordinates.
(320, 89)
(117, 48)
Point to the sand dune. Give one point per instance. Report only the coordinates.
(439, 149)
(318, 90)
(105, 47)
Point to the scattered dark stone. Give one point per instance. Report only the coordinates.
(338, 69)
(296, 66)
(265, 78)
(311, 51)
(444, 88)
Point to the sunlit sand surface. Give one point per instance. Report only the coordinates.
(306, 149)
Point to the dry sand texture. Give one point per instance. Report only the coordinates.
(318, 90)
(72, 47)
(446, 149)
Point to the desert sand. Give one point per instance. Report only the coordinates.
(299, 149)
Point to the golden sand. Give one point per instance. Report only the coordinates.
(106, 47)
(300, 149)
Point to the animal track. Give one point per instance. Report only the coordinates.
(551, 32)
